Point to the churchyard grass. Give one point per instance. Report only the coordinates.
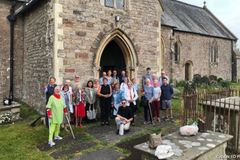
(19, 140)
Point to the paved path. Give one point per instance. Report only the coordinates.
(94, 141)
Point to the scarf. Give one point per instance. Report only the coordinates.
(56, 96)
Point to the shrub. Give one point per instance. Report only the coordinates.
(197, 79)
(213, 78)
(214, 83)
(225, 83)
(219, 79)
(181, 83)
(205, 80)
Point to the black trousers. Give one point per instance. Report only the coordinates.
(147, 112)
(46, 119)
(133, 109)
(105, 105)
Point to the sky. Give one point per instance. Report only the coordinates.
(227, 11)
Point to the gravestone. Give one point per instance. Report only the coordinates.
(9, 113)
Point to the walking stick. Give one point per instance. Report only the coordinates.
(150, 110)
(70, 126)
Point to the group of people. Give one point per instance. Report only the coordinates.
(109, 96)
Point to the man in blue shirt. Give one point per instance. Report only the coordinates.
(148, 75)
(166, 97)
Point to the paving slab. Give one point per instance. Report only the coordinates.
(108, 133)
(70, 150)
(103, 154)
(67, 140)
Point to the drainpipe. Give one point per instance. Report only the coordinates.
(11, 18)
(234, 63)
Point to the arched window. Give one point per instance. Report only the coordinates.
(119, 4)
(177, 51)
(214, 52)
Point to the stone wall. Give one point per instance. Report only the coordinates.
(86, 23)
(196, 48)
(5, 52)
(18, 58)
(237, 52)
(4, 48)
(38, 53)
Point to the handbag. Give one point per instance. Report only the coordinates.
(155, 140)
(94, 114)
(91, 113)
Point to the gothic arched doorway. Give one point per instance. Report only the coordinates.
(112, 58)
(116, 51)
(188, 71)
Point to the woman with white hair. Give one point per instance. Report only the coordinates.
(55, 108)
(148, 97)
(155, 80)
(124, 86)
(131, 96)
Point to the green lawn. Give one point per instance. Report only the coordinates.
(19, 140)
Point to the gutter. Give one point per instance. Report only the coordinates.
(24, 7)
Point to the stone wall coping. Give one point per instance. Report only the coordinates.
(191, 147)
(7, 107)
(232, 103)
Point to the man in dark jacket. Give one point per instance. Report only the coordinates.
(166, 97)
(49, 90)
(124, 116)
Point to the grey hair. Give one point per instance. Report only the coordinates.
(147, 80)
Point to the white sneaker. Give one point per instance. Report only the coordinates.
(51, 143)
(58, 138)
(145, 122)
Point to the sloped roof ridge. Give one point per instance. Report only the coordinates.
(184, 3)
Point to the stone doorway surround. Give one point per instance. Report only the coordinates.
(128, 50)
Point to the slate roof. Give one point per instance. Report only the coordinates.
(188, 18)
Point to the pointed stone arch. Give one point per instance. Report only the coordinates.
(177, 50)
(127, 47)
(214, 52)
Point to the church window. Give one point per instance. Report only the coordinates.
(177, 51)
(109, 3)
(214, 52)
(119, 4)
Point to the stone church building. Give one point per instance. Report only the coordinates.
(84, 37)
